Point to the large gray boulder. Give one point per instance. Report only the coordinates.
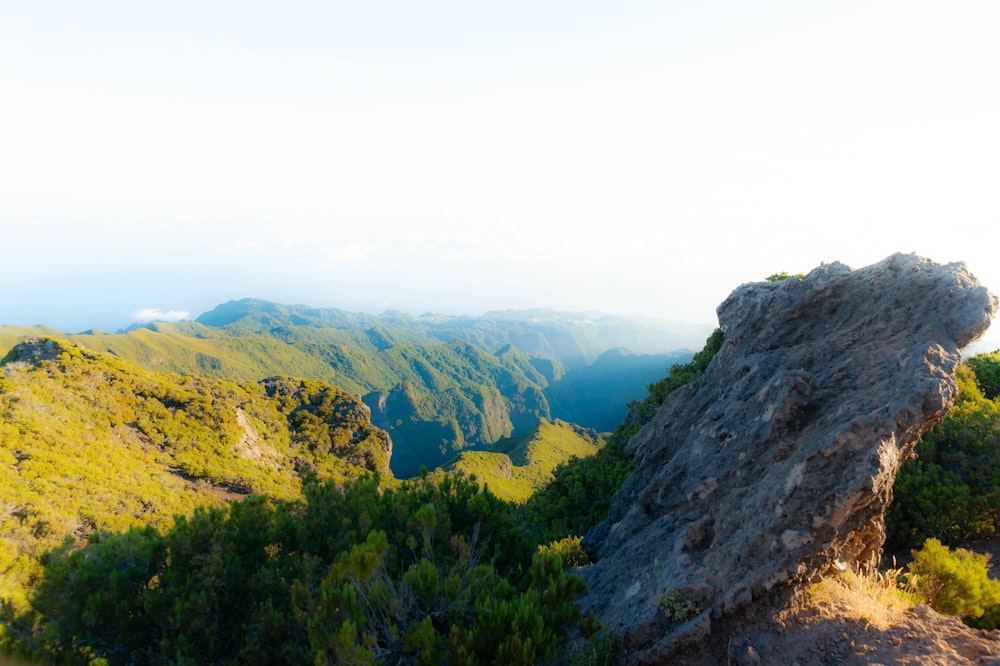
(777, 465)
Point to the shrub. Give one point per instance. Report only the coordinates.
(953, 582)
(950, 491)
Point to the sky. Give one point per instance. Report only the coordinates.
(632, 157)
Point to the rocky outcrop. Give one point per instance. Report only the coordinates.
(778, 463)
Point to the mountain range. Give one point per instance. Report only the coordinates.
(438, 384)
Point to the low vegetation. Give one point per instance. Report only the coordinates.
(347, 575)
(876, 598)
(951, 491)
(955, 582)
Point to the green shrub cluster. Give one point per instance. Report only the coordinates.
(951, 491)
(425, 573)
(328, 425)
(987, 369)
(955, 583)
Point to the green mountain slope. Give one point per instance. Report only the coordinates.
(574, 338)
(452, 397)
(433, 398)
(438, 384)
(515, 468)
(196, 349)
(434, 570)
(89, 442)
(11, 335)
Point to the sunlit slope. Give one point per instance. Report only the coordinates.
(515, 468)
(190, 348)
(89, 442)
(434, 398)
(195, 349)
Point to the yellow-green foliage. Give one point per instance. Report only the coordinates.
(202, 350)
(953, 582)
(516, 468)
(91, 443)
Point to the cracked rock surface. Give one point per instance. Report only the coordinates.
(778, 463)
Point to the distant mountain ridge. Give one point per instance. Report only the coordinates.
(438, 384)
(575, 338)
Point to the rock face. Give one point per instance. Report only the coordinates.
(778, 463)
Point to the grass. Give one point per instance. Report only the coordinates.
(876, 599)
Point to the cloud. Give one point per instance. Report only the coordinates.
(156, 314)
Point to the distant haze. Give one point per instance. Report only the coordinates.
(635, 158)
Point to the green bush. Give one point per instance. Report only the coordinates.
(951, 491)
(953, 582)
(428, 572)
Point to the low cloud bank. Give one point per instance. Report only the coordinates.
(156, 314)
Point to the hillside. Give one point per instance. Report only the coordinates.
(97, 586)
(514, 469)
(90, 443)
(438, 384)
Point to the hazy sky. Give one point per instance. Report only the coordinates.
(633, 157)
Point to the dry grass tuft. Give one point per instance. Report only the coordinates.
(877, 599)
